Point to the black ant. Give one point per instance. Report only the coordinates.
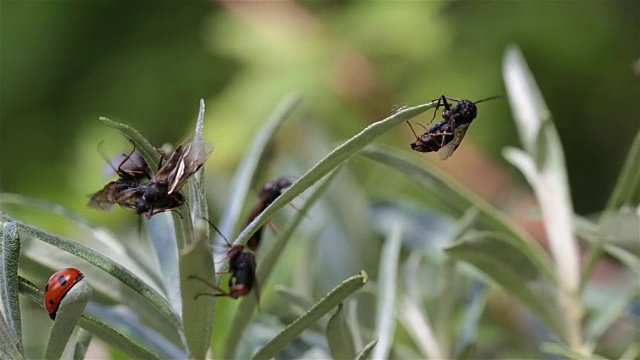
(445, 136)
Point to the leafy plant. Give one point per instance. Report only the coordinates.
(435, 280)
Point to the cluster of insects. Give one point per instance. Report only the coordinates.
(147, 194)
(445, 136)
(135, 189)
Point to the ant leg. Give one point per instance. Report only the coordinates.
(299, 210)
(443, 137)
(440, 99)
(162, 156)
(274, 228)
(204, 281)
(413, 131)
(127, 157)
(454, 99)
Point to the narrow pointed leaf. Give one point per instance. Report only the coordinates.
(330, 301)
(334, 159)
(196, 259)
(364, 353)
(143, 146)
(266, 265)
(250, 161)
(109, 266)
(387, 291)
(97, 327)
(339, 336)
(508, 267)
(10, 242)
(450, 191)
(68, 314)
(82, 344)
(474, 308)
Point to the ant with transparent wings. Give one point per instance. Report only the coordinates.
(445, 136)
(131, 171)
(162, 192)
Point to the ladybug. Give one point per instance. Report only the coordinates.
(58, 286)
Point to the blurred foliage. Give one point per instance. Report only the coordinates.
(63, 64)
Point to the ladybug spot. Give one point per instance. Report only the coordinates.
(51, 301)
(62, 280)
(46, 288)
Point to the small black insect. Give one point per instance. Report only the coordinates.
(162, 192)
(445, 136)
(270, 191)
(131, 171)
(242, 266)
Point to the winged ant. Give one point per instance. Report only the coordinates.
(445, 136)
(162, 192)
(242, 266)
(131, 171)
(270, 191)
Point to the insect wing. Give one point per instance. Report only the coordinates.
(105, 198)
(184, 162)
(446, 151)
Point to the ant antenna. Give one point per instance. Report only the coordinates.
(105, 157)
(216, 229)
(489, 98)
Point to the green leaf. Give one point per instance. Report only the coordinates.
(96, 326)
(82, 344)
(387, 291)
(143, 146)
(588, 230)
(364, 353)
(9, 289)
(418, 326)
(196, 259)
(339, 337)
(509, 267)
(475, 304)
(8, 348)
(626, 191)
(627, 188)
(245, 309)
(109, 266)
(197, 314)
(606, 316)
(250, 162)
(450, 191)
(127, 253)
(334, 159)
(543, 165)
(69, 312)
(330, 301)
(527, 103)
(564, 352)
(293, 298)
(426, 230)
(162, 232)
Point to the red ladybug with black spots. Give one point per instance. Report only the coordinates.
(58, 286)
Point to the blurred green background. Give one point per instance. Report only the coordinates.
(63, 64)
